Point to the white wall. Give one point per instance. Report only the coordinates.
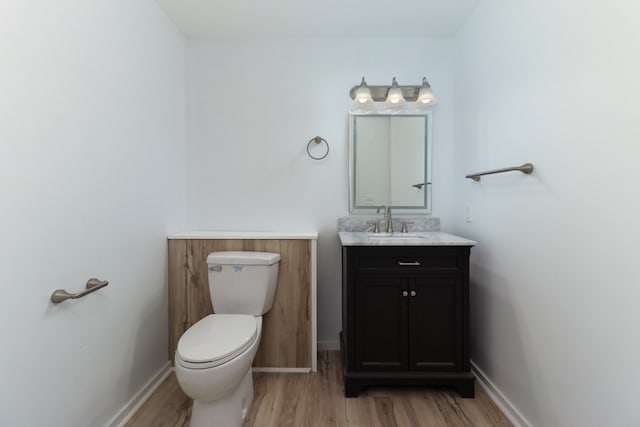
(253, 106)
(554, 276)
(92, 178)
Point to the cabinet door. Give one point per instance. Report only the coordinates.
(435, 324)
(380, 323)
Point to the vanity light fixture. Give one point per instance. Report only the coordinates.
(363, 94)
(393, 95)
(426, 98)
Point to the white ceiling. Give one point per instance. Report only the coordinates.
(318, 18)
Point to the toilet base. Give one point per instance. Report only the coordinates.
(230, 411)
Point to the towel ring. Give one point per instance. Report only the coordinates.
(318, 140)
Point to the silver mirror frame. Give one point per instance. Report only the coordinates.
(353, 114)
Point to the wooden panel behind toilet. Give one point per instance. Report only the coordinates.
(286, 329)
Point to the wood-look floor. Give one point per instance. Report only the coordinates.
(317, 399)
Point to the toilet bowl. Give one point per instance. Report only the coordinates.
(225, 372)
(214, 356)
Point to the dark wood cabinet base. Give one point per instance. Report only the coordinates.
(356, 382)
(405, 317)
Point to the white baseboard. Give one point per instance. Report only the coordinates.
(127, 412)
(510, 411)
(328, 345)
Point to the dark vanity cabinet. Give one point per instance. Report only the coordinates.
(405, 317)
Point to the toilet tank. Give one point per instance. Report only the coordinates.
(242, 282)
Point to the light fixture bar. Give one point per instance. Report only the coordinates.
(379, 93)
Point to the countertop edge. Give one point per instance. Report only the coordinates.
(431, 238)
(257, 235)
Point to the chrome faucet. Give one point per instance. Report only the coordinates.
(389, 220)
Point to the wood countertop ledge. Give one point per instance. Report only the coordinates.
(254, 235)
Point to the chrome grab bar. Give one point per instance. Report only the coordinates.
(525, 168)
(60, 295)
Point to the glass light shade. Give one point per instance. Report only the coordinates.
(426, 98)
(395, 98)
(363, 96)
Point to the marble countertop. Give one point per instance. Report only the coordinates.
(213, 234)
(424, 238)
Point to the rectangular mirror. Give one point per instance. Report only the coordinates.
(389, 161)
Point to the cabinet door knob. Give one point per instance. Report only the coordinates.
(405, 293)
(413, 293)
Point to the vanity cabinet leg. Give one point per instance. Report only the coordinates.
(352, 388)
(466, 389)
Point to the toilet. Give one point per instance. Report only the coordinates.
(214, 356)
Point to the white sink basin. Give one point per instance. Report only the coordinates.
(398, 236)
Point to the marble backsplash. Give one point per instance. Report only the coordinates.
(359, 223)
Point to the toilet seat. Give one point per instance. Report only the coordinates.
(216, 339)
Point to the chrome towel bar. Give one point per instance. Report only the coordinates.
(525, 168)
(93, 285)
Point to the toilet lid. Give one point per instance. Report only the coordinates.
(216, 339)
